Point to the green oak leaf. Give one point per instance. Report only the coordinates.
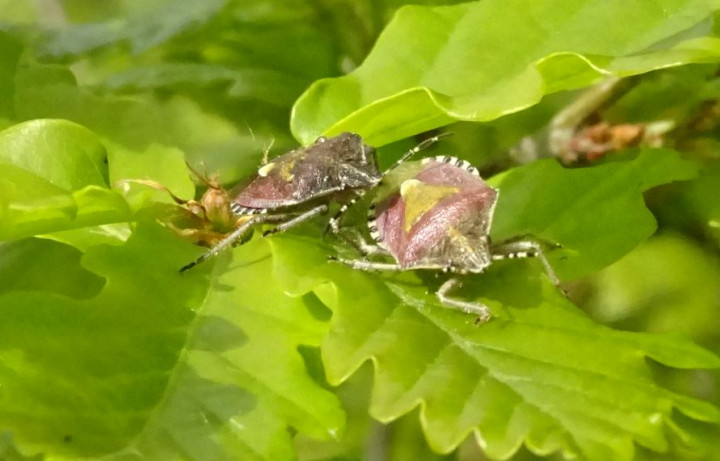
(477, 61)
(162, 365)
(541, 373)
(53, 176)
(140, 126)
(596, 214)
(43, 265)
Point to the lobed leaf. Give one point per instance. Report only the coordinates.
(540, 373)
(596, 214)
(481, 60)
(161, 365)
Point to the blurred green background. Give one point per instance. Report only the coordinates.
(217, 80)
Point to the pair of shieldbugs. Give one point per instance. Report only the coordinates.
(438, 218)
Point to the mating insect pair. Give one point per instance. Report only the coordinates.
(438, 218)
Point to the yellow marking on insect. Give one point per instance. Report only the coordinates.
(420, 197)
(266, 169)
(287, 167)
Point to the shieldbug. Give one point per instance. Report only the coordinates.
(440, 219)
(300, 185)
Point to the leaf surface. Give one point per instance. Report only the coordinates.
(540, 373)
(162, 366)
(54, 177)
(596, 214)
(481, 60)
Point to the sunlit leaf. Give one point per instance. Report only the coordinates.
(481, 60)
(161, 365)
(532, 375)
(62, 185)
(540, 373)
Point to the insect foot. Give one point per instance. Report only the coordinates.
(439, 219)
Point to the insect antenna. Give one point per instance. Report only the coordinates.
(423, 145)
(266, 152)
(334, 222)
(203, 178)
(155, 185)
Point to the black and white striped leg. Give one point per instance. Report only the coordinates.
(477, 308)
(524, 249)
(311, 213)
(336, 220)
(236, 235)
(368, 265)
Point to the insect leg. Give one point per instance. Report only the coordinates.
(236, 235)
(524, 249)
(368, 265)
(311, 213)
(355, 238)
(334, 222)
(477, 308)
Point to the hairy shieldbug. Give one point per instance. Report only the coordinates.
(300, 185)
(440, 218)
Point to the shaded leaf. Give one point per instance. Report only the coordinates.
(481, 60)
(669, 282)
(10, 50)
(140, 124)
(43, 265)
(143, 30)
(256, 84)
(160, 365)
(597, 214)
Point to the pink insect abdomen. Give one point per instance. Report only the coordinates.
(265, 192)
